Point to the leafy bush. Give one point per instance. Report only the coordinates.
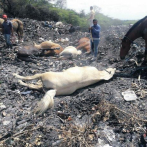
(32, 12)
(54, 16)
(43, 10)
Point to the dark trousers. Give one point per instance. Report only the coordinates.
(94, 47)
(7, 39)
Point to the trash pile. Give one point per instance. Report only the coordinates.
(107, 114)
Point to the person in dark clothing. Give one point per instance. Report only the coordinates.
(72, 29)
(95, 37)
(46, 24)
(143, 140)
(7, 30)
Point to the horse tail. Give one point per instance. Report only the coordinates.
(20, 27)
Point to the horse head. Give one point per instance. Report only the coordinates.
(133, 33)
(125, 46)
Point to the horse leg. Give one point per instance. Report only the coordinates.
(36, 76)
(79, 46)
(46, 102)
(21, 34)
(18, 35)
(145, 56)
(31, 86)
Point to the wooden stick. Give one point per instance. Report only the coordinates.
(91, 35)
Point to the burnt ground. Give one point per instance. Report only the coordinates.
(95, 116)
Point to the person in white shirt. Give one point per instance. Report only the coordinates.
(92, 14)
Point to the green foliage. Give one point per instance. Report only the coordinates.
(72, 17)
(40, 3)
(67, 16)
(105, 21)
(43, 10)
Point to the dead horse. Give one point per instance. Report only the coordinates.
(64, 83)
(47, 48)
(84, 44)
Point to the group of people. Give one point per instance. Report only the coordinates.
(94, 30)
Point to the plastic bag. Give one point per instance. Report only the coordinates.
(129, 95)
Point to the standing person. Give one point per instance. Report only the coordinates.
(72, 29)
(7, 30)
(95, 37)
(90, 19)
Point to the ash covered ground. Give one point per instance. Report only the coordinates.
(94, 116)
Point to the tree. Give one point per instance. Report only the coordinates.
(13, 7)
(82, 13)
(61, 4)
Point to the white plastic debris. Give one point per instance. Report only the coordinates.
(5, 123)
(41, 39)
(2, 106)
(107, 145)
(109, 133)
(101, 143)
(129, 95)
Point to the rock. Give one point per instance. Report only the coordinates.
(16, 113)
(4, 114)
(21, 126)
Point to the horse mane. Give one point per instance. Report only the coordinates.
(135, 25)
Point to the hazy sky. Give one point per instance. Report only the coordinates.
(121, 9)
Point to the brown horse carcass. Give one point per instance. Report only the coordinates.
(17, 27)
(84, 44)
(46, 48)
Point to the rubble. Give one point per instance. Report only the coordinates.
(96, 115)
